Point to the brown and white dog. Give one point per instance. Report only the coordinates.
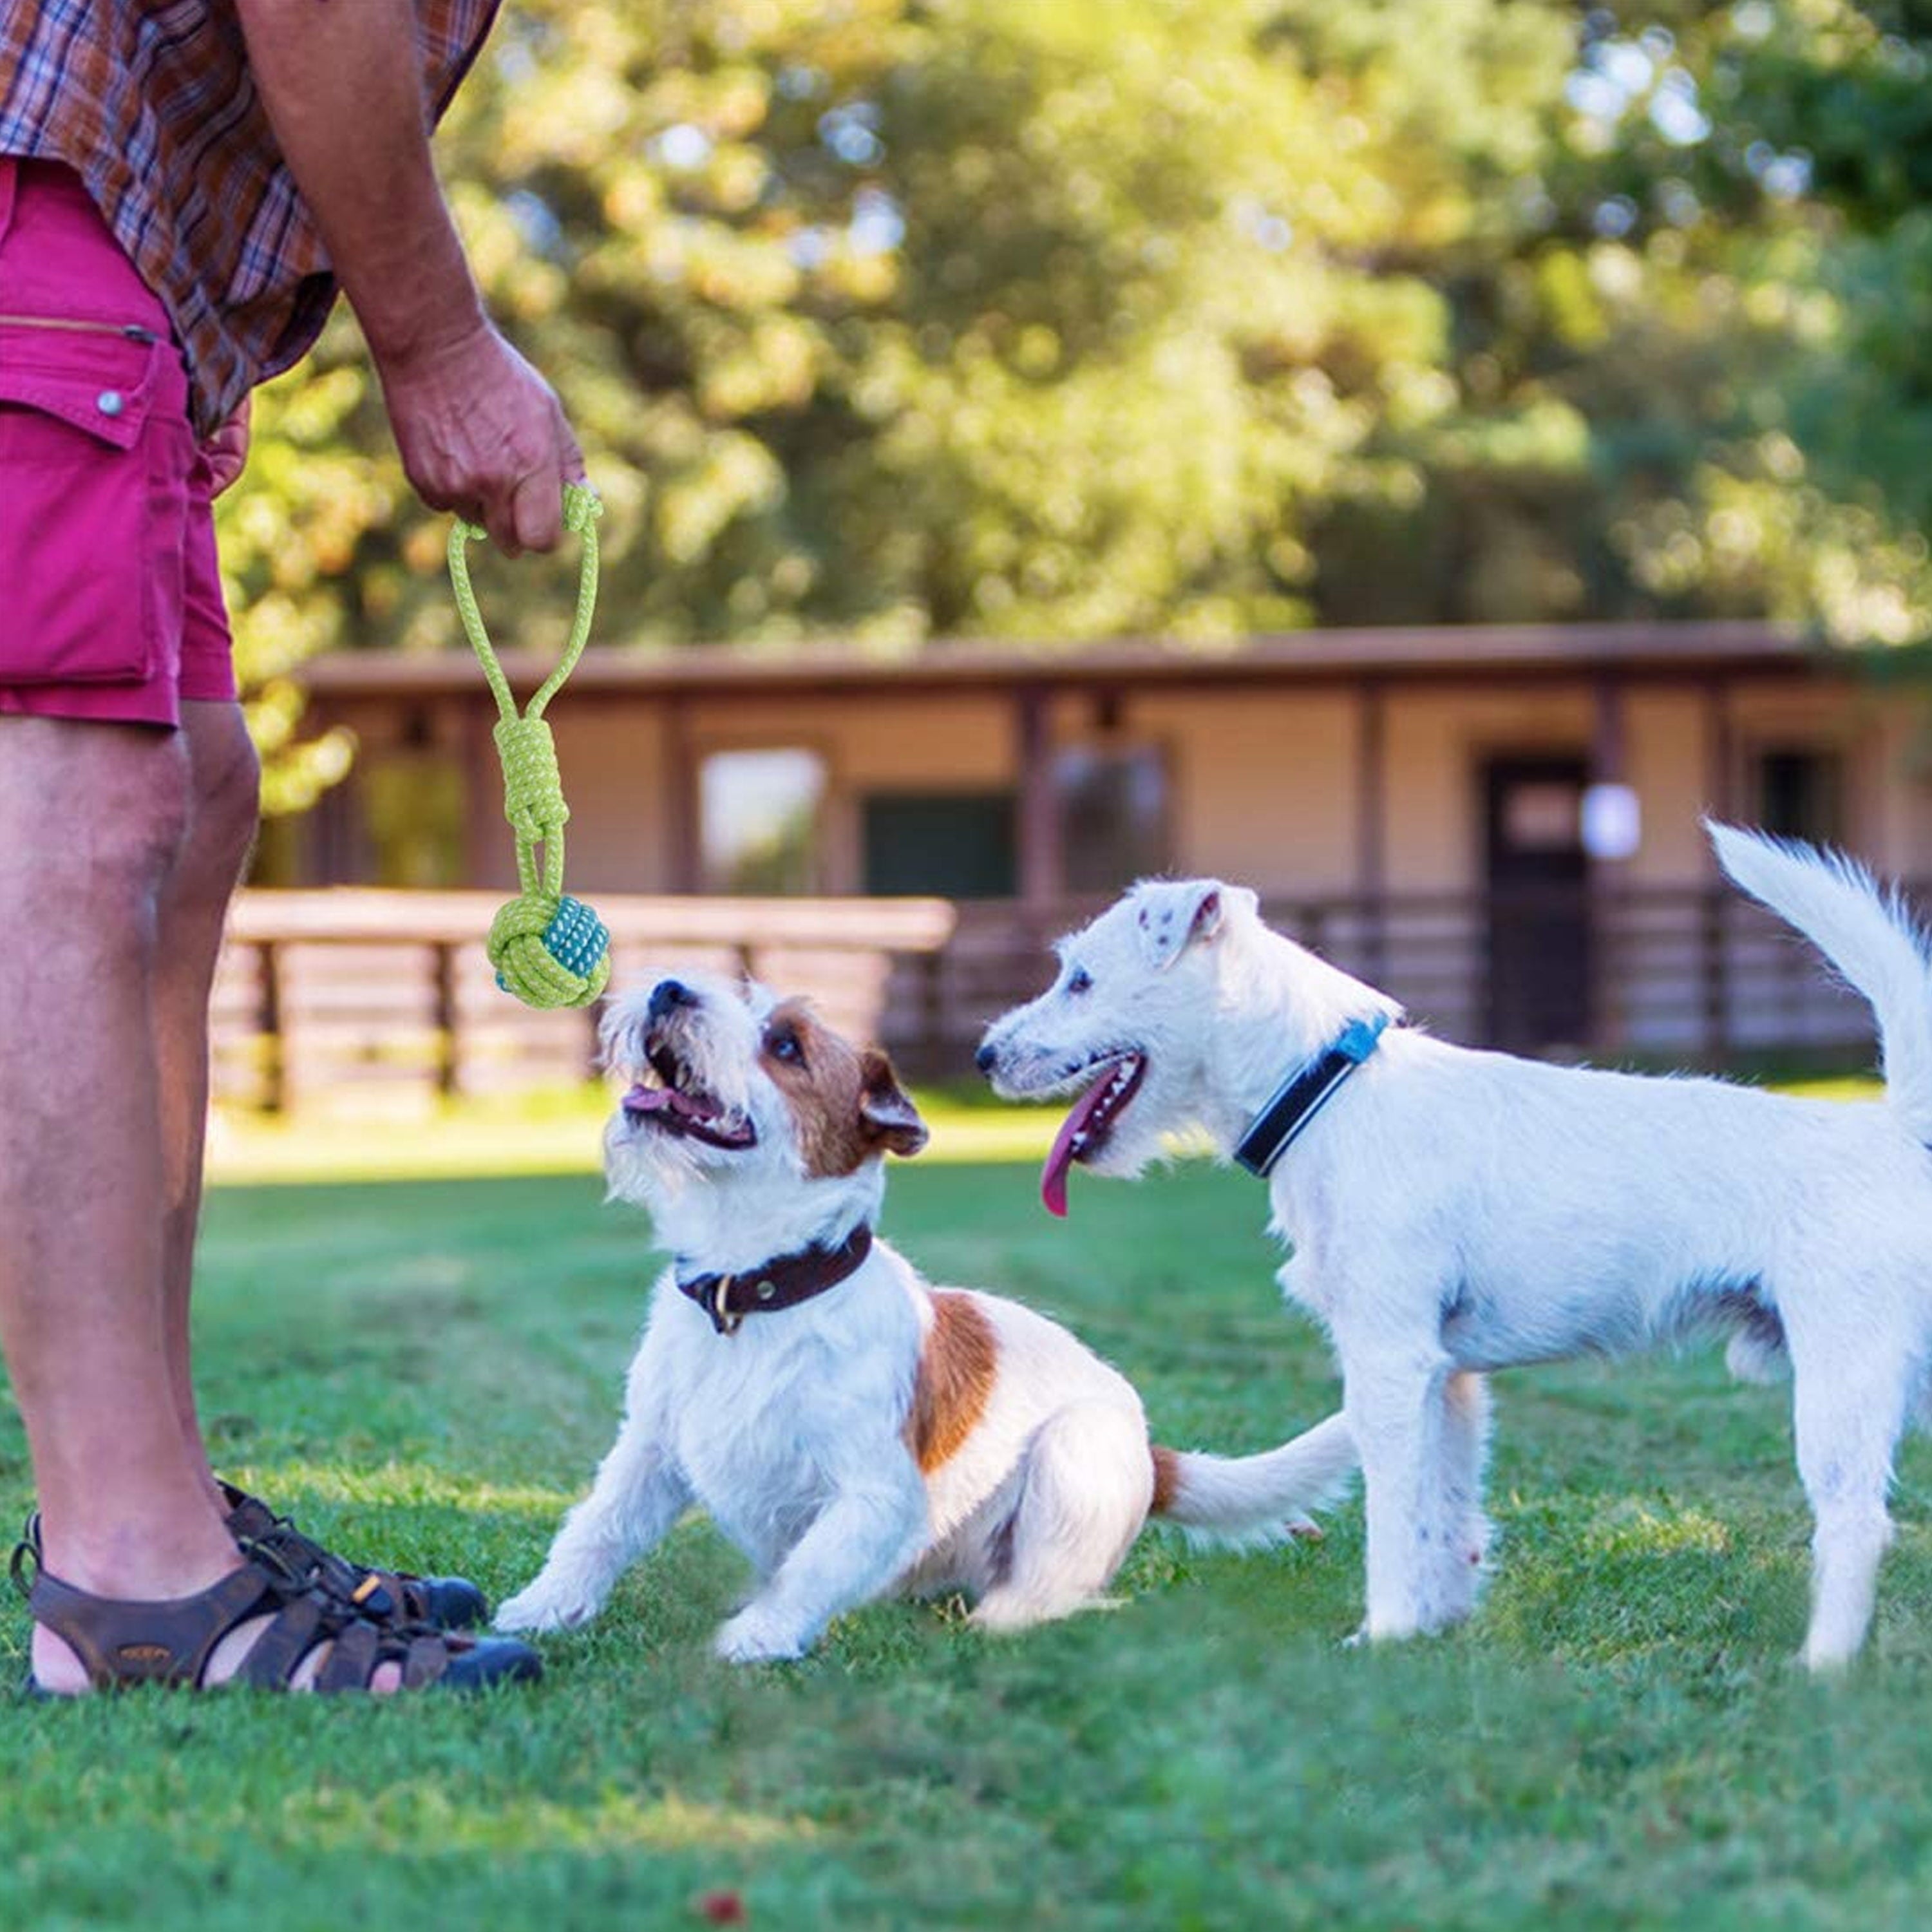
(850, 1428)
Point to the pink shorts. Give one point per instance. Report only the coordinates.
(110, 598)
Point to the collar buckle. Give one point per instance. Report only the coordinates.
(780, 1282)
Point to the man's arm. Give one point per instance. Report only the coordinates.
(479, 431)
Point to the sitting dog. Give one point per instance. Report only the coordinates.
(849, 1428)
(1453, 1212)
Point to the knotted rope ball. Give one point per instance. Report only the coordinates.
(548, 949)
(550, 952)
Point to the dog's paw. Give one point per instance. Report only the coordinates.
(546, 1605)
(756, 1635)
(997, 1610)
(1373, 1634)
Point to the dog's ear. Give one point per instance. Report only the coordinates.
(1171, 918)
(885, 1112)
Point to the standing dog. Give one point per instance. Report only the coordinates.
(1453, 1212)
(846, 1426)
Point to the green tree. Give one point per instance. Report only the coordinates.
(900, 318)
(1733, 296)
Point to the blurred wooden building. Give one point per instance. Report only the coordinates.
(1501, 825)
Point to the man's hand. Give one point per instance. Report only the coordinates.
(226, 452)
(482, 433)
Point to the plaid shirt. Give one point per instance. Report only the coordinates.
(152, 103)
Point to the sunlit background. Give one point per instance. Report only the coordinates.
(1351, 448)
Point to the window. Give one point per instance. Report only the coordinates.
(1113, 806)
(1799, 794)
(758, 814)
(958, 845)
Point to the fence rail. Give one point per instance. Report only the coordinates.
(1692, 975)
(374, 999)
(362, 999)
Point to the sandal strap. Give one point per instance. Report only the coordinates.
(168, 1642)
(362, 1649)
(430, 1655)
(25, 1564)
(353, 1660)
(374, 1593)
(277, 1653)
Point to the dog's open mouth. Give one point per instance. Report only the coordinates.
(1085, 1131)
(669, 1099)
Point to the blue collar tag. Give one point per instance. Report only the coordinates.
(1303, 1095)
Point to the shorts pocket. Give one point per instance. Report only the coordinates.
(88, 565)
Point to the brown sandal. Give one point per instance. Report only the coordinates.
(169, 1642)
(385, 1596)
(446, 1603)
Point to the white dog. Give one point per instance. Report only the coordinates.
(1452, 1212)
(849, 1428)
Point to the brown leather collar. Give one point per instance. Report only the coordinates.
(782, 1283)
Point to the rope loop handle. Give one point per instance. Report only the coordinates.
(582, 507)
(548, 950)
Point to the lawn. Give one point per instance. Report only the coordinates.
(429, 1369)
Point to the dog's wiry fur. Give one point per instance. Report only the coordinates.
(884, 1433)
(1453, 1212)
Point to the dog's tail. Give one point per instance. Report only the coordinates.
(1870, 937)
(1254, 1499)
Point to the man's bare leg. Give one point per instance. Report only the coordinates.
(224, 787)
(94, 821)
(92, 818)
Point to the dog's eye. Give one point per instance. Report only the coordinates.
(1082, 981)
(784, 1046)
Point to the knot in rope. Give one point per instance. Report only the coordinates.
(582, 507)
(533, 799)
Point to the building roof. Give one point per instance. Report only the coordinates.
(1458, 654)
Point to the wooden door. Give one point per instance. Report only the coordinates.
(1539, 908)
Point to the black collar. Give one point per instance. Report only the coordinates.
(1302, 1095)
(782, 1283)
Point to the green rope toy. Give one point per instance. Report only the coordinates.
(549, 950)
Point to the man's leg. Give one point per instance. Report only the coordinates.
(223, 795)
(95, 821)
(92, 820)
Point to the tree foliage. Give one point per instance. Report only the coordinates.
(900, 318)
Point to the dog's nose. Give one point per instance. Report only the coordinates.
(983, 1059)
(667, 995)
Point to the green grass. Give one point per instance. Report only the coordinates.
(555, 1131)
(551, 1131)
(428, 1370)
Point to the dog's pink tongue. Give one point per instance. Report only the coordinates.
(1059, 1159)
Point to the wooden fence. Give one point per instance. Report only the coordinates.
(360, 999)
(1685, 975)
(382, 999)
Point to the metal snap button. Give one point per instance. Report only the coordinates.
(766, 1291)
(110, 402)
